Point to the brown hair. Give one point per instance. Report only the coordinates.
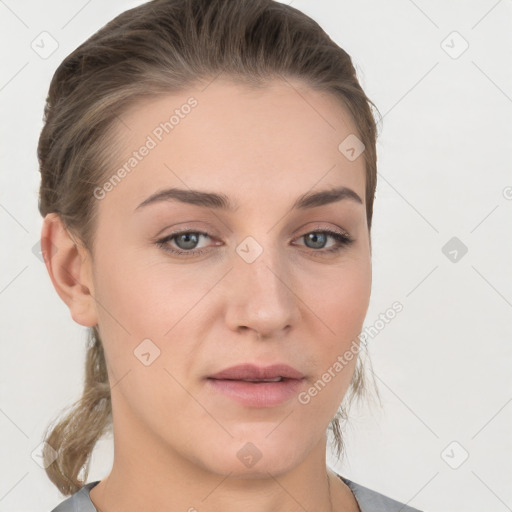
(154, 49)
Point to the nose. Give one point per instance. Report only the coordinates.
(262, 297)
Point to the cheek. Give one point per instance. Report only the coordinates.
(340, 299)
(143, 299)
(141, 295)
(342, 307)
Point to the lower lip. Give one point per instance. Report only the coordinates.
(258, 394)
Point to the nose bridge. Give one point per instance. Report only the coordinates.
(264, 300)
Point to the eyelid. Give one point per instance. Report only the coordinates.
(321, 227)
(184, 227)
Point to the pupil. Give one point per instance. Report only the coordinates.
(315, 237)
(190, 240)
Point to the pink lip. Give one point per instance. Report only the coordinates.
(251, 371)
(257, 394)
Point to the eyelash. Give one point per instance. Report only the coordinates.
(343, 240)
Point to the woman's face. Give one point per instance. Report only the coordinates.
(259, 283)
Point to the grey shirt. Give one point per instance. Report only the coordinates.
(367, 499)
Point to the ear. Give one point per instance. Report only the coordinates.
(69, 266)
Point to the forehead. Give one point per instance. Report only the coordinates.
(278, 139)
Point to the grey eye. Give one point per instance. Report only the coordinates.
(187, 240)
(318, 240)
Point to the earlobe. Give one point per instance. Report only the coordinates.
(69, 266)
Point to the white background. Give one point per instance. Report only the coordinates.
(443, 365)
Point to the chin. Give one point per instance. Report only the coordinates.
(256, 456)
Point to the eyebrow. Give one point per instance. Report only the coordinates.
(222, 202)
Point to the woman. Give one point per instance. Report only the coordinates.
(208, 174)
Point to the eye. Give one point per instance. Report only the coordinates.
(186, 242)
(317, 240)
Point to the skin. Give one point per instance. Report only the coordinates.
(176, 441)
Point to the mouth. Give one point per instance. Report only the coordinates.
(275, 379)
(253, 373)
(255, 386)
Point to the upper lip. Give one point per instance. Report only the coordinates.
(251, 371)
